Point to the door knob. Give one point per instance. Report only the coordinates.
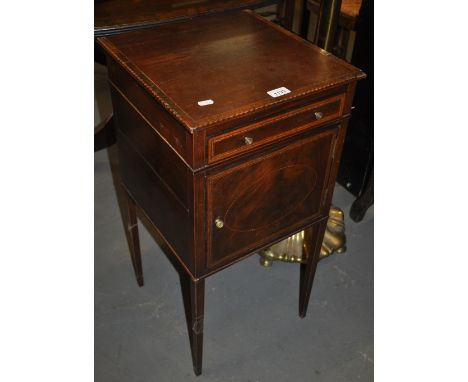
(248, 140)
(219, 223)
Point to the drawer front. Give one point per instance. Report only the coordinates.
(261, 200)
(245, 139)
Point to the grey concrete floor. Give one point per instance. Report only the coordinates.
(252, 328)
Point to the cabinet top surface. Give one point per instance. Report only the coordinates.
(230, 61)
(111, 16)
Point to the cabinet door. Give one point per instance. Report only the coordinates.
(264, 199)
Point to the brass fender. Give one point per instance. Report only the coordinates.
(292, 249)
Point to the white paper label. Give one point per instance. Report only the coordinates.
(278, 92)
(206, 102)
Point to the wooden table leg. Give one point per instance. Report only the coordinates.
(104, 133)
(133, 239)
(312, 245)
(193, 293)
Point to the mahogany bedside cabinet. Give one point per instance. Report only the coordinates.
(229, 132)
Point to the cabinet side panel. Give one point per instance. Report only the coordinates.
(172, 131)
(164, 161)
(165, 211)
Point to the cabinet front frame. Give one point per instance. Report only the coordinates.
(211, 263)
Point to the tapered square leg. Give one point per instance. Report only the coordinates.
(312, 243)
(133, 239)
(193, 293)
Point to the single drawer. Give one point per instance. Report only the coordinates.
(261, 200)
(260, 133)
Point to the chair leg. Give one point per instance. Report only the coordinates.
(312, 243)
(305, 20)
(288, 14)
(193, 293)
(133, 239)
(363, 203)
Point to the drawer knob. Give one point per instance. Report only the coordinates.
(248, 140)
(219, 223)
(318, 115)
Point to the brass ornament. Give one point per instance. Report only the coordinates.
(292, 249)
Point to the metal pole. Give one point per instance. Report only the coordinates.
(327, 23)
